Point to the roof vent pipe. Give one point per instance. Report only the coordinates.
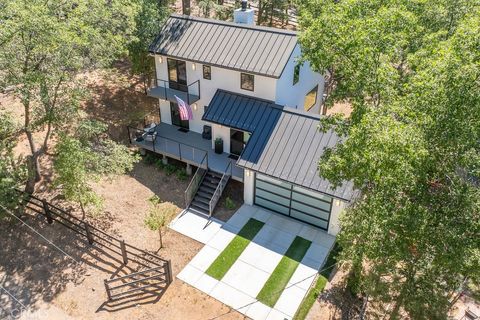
(244, 5)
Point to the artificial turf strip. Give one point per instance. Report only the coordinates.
(319, 284)
(279, 278)
(234, 249)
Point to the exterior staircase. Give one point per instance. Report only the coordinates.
(206, 191)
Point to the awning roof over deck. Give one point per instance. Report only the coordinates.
(285, 143)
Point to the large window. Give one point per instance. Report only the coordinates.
(247, 81)
(311, 99)
(293, 201)
(207, 72)
(296, 74)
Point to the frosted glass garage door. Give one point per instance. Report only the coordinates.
(293, 201)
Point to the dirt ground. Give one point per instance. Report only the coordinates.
(64, 278)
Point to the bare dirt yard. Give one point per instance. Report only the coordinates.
(54, 274)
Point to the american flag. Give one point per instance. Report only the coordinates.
(185, 110)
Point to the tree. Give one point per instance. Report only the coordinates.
(44, 47)
(12, 169)
(149, 20)
(411, 71)
(84, 158)
(159, 216)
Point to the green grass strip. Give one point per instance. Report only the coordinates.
(230, 254)
(319, 285)
(278, 280)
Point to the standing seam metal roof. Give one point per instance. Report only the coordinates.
(254, 49)
(285, 143)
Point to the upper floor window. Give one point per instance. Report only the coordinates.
(207, 72)
(296, 74)
(311, 99)
(247, 81)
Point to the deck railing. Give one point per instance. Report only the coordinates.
(221, 186)
(195, 182)
(172, 148)
(169, 89)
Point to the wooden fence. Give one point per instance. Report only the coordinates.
(157, 271)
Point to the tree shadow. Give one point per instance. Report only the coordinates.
(34, 270)
(118, 98)
(167, 187)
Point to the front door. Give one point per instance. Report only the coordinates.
(175, 113)
(238, 140)
(177, 74)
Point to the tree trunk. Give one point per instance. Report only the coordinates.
(83, 211)
(160, 237)
(33, 165)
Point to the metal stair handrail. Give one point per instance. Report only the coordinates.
(219, 190)
(196, 182)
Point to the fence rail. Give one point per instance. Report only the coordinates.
(100, 238)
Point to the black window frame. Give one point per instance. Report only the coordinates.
(315, 90)
(296, 74)
(209, 72)
(242, 76)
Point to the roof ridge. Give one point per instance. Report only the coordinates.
(234, 24)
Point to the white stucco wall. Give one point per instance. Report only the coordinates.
(249, 186)
(294, 95)
(226, 79)
(334, 225)
(221, 132)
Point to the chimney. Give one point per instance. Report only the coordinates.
(244, 15)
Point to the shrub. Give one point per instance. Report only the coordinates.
(159, 164)
(149, 159)
(229, 204)
(170, 169)
(182, 174)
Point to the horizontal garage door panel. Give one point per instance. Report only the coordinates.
(290, 200)
(271, 205)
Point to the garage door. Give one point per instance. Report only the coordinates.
(293, 201)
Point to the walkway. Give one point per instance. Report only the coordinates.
(247, 276)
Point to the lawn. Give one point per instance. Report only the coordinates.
(230, 254)
(319, 284)
(278, 280)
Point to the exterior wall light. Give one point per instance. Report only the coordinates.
(194, 106)
(247, 173)
(194, 66)
(337, 203)
(160, 60)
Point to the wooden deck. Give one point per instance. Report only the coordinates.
(190, 148)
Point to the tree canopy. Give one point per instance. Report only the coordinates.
(85, 157)
(411, 71)
(45, 46)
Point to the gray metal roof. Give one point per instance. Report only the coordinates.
(258, 50)
(285, 143)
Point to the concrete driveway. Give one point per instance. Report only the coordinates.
(244, 280)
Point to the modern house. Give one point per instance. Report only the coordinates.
(250, 96)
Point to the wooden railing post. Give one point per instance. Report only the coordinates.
(124, 251)
(109, 295)
(87, 231)
(46, 209)
(169, 271)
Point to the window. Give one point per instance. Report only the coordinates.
(296, 74)
(310, 99)
(247, 81)
(207, 72)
